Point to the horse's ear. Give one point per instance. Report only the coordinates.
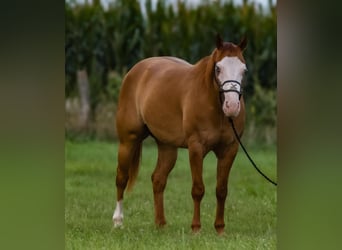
(243, 43)
(219, 41)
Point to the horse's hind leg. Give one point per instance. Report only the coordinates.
(128, 163)
(166, 160)
(125, 153)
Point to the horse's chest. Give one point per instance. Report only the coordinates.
(213, 136)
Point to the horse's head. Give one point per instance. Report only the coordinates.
(229, 68)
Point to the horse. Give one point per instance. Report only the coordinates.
(181, 106)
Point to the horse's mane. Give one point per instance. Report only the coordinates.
(205, 69)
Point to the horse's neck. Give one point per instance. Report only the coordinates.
(204, 70)
(205, 98)
(204, 85)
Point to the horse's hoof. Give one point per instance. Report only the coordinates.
(196, 229)
(220, 229)
(161, 225)
(220, 232)
(118, 222)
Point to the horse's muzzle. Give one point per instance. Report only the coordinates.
(231, 108)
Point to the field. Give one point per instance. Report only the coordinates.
(90, 197)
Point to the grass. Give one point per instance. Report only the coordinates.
(90, 197)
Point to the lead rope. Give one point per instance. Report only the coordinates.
(250, 159)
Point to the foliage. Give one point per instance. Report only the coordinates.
(86, 47)
(250, 213)
(261, 117)
(263, 106)
(114, 39)
(125, 29)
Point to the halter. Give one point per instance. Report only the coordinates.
(234, 86)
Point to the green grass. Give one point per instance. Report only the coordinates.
(90, 198)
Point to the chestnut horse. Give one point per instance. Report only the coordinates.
(182, 106)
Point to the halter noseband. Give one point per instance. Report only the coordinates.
(232, 88)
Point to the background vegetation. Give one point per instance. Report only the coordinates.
(106, 42)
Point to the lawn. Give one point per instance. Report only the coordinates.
(90, 197)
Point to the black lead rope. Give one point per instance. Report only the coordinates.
(238, 138)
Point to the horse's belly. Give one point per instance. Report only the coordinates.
(166, 130)
(164, 121)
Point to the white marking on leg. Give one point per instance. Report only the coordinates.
(118, 214)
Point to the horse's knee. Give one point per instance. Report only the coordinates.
(197, 191)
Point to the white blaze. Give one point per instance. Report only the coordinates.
(231, 68)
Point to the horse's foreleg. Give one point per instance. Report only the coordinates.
(197, 191)
(224, 164)
(166, 160)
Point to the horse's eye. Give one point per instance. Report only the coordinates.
(244, 71)
(217, 70)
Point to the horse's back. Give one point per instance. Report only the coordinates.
(177, 60)
(155, 74)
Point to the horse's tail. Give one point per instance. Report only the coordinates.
(134, 168)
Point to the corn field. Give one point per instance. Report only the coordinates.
(105, 43)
